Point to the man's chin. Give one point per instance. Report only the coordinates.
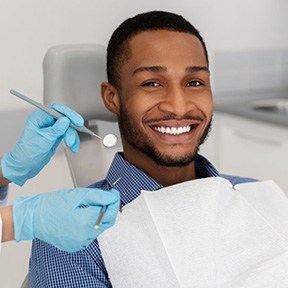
(176, 161)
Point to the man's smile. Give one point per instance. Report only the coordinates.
(172, 130)
(175, 130)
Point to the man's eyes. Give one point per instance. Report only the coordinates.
(151, 84)
(194, 83)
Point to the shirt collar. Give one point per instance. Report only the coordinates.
(133, 180)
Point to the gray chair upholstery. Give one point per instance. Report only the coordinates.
(25, 283)
(72, 76)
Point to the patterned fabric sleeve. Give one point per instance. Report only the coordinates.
(3, 195)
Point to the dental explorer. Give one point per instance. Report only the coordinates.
(108, 141)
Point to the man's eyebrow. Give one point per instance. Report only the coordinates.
(163, 69)
(150, 69)
(192, 69)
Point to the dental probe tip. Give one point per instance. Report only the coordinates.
(86, 130)
(101, 215)
(104, 208)
(95, 135)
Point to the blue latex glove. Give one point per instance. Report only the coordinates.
(38, 142)
(65, 218)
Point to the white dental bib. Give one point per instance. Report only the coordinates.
(201, 233)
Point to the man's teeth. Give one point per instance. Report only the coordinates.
(173, 130)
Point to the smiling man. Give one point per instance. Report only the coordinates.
(163, 102)
(159, 88)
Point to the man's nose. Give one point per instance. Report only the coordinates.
(177, 101)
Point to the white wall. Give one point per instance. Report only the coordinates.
(28, 28)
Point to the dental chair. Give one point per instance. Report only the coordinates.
(72, 76)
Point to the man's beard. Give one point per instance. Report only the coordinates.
(140, 141)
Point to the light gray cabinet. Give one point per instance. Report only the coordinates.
(250, 148)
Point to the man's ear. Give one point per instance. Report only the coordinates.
(110, 97)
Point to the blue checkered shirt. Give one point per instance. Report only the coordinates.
(50, 267)
(3, 195)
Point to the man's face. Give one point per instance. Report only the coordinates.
(165, 98)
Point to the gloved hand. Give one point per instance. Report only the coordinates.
(38, 142)
(65, 218)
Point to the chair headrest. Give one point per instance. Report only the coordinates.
(72, 76)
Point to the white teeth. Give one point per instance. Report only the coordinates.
(173, 130)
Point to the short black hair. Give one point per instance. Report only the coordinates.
(118, 48)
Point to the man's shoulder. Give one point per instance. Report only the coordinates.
(99, 184)
(237, 179)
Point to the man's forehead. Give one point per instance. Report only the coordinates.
(146, 34)
(163, 39)
(153, 48)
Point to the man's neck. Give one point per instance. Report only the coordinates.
(164, 175)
